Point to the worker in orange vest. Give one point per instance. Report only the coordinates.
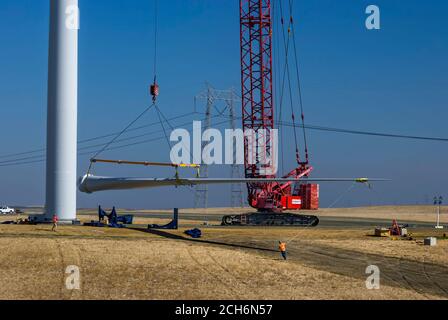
(55, 223)
(282, 248)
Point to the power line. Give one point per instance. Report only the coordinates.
(42, 158)
(378, 134)
(360, 132)
(42, 150)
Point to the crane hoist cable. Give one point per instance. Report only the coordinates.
(154, 88)
(286, 75)
(299, 86)
(277, 77)
(154, 91)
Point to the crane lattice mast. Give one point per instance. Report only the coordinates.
(258, 104)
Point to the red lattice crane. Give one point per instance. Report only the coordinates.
(258, 108)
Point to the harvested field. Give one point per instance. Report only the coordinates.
(226, 263)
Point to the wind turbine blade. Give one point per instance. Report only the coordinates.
(91, 183)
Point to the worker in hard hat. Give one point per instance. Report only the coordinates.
(55, 223)
(282, 248)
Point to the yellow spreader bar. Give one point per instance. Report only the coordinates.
(147, 163)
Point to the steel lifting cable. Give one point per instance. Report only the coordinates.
(139, 142)
(329, 207)
(119, 134)
(42, 150)
(287, 75)
(159, 113)
(342, 195)
(298, 234)
(299, 86)
(375, 194)
(277, 72)
(154, 89)
(156, 34)
(134, 129)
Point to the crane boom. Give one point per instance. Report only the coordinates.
(256, 75)
(258, 105)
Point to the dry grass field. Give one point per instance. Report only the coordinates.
(226, 263)
(403, 213)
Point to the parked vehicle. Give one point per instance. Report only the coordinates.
(7, 210)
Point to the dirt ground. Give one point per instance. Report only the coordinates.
(226, 263)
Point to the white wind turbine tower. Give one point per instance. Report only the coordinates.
(62, 110)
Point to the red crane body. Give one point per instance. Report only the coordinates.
(258, 108)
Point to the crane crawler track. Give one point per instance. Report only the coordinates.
(270, 219)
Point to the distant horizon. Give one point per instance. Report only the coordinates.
(243, 208)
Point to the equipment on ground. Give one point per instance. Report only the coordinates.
(398, 229)
(430, 241)
(173, 225)
(395, 230)
(194, 233)
(9, 222)
(382, 232)
(404, 232)
(113, 220)
(20, 221)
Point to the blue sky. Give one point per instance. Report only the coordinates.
(389, 80)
